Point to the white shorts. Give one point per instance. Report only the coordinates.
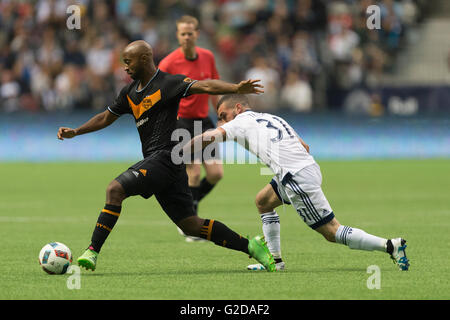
(303, 190)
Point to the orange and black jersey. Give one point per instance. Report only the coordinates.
(154, 108)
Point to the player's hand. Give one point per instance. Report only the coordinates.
(67, 133)
(250, 86)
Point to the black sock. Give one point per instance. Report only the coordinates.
(105, 223)
(195, 193)
(389, 247)
(221, 235)
(204, 188)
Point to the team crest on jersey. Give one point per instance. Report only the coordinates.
(147, 102)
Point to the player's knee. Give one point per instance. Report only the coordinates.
(194, 173)
(115, 193)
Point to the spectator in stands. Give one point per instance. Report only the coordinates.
(270, 79)
(9, 91)
(304, 53)
(392, 15)
(342, 42)
(99, 58)
(325, 39)
(73, 53)
(297, 92)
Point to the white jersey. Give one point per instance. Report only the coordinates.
(271, 139)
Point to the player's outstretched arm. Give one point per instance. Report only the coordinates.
(97, 122)
(217, 87)
(205, 139)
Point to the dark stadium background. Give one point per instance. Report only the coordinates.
(350, 92)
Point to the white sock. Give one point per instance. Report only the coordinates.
(358, 239)
(271, 230)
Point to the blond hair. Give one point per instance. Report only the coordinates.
(189, 20)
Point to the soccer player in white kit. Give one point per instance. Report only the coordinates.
(297, 179)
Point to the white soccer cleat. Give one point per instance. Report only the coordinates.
(259, 267)
(398, 254)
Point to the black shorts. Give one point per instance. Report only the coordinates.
(157, 175)
(196, 127)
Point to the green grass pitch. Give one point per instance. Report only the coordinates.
(146, 258)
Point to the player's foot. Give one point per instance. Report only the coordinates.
(257, 248)
(88, 259)
(259, 267)
(397, 250)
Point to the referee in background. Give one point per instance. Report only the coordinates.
(198, 64)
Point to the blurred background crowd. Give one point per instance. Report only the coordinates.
(304, 51)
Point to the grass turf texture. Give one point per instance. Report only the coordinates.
(146, 258)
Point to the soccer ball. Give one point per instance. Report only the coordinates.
(55, 258)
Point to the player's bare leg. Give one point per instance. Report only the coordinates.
(355, 238)
(106, 221)
(194, 171)
(214, 172)
(266, 201)
(201, 187)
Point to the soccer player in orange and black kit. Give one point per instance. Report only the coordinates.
(153, 98)
(199, 64)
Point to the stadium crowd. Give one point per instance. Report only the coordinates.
(300, 49)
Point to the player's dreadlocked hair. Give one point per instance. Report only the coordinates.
(232, 99)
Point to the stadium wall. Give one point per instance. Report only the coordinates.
(399, 100)
(32, 137)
